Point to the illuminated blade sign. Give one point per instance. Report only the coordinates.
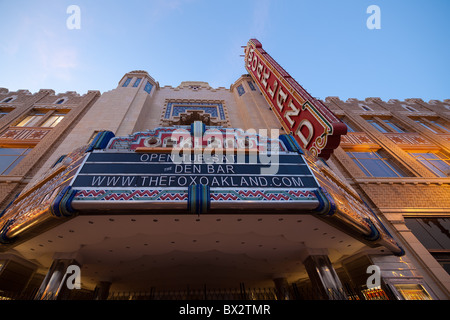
(312, 124)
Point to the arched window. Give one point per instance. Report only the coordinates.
(60, 101)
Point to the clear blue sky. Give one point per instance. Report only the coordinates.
(324, 44)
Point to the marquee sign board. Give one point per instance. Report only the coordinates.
(110, 176)
(159, 170)
(140, 178)
(312, 124)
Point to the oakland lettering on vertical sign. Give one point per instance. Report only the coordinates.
(312, 124)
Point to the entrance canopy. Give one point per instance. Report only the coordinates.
(190, 170)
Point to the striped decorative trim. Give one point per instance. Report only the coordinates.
(198, 128)
(182, 195)
(131, 195)
(374, 234)
(291, 143)
(199, 199)
(327, 205)
(262, 195)
(61, 206)
(100, 141)
(3, 238)
(137, 139)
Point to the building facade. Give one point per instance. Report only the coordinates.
(395, 156)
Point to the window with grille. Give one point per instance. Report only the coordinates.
(148, 87)
(240, 90)
(441, 125)
(394, 126)
(10, 157)
(127, 82)
(350, 126)
(437, 162)
(136, 83)
(31, 120)
(376, 164)
(434, 234)
(53, 120)
(251, 85)
(387, 125)
(377, 126)
(426, 125)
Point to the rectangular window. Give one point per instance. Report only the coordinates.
(433, 233)
(148, 87)
(410, 109)
(10, 157)
(136, 83)
(444, 128)
(376, 164)
(377, 126)
(3, 113)
(350, 128)
(127, 82)
(53, 120)
(31, 121)
(6, 100)
(413, 292)
(395, 127)
(240, 90)
(425, 125)
(436, 162)
(251, 85)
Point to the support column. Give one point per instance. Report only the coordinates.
(322, 274)
(101, 291)
(55, 285)
(282, 288)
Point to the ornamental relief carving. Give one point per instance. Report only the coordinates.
(185, 112)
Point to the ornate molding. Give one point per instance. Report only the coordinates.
(358, 139)
(29, 136)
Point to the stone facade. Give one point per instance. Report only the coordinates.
(139, 103)
(420, 192)
(47, 103)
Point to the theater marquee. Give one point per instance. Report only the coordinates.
(145, 179)
(312, 124)
(121, 175)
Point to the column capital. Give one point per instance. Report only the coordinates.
(68, 256)
(306, 252)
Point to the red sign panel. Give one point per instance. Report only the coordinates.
(313, 125)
